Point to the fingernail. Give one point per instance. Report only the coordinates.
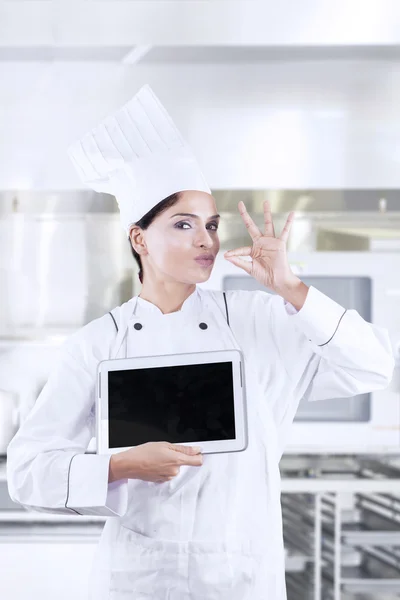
(197, 448)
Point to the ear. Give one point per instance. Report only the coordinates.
(136, 236)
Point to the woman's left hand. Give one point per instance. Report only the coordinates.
(269, 264)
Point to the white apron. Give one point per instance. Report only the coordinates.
(214, 532)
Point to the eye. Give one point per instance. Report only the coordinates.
(214, 225)
(181, 224)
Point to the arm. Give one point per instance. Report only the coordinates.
(47, 468)
(319, 352)
(351, 356)
(324, 351)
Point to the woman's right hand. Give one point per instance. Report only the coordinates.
(155, 461)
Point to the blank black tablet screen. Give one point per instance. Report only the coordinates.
(189, 403)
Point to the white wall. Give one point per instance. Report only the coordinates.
(279, 124)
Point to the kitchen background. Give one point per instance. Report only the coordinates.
(295, 102)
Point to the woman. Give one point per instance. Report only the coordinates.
(188, 527)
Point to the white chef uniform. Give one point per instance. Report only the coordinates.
(214, 532)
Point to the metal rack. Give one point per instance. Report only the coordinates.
(342, 516)
(298, 513)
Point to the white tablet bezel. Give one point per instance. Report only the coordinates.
(239, 391)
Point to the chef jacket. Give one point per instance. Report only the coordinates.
(213, 532)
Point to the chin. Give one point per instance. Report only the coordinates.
(202, 279)
(196, 278)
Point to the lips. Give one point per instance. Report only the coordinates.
(204, 260)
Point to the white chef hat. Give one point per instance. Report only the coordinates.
(138, 155)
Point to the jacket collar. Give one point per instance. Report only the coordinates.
(191, 304)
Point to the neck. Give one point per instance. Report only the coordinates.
(168, 297)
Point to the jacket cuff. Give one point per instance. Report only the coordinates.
(89, 492)
(319, 317)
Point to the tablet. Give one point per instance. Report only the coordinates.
(191, 399)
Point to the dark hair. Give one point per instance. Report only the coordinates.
(147, 220)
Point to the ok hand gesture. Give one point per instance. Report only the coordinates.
(269, 265)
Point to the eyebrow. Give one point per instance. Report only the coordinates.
(194, 216)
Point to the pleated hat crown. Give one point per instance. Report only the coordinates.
(138, 155)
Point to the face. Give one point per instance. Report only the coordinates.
(182, 242)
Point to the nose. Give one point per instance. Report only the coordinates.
(204, 239)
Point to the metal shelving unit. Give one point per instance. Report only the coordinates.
(343, 516)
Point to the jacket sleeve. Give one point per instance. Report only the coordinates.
(47, 468)
(327, 351)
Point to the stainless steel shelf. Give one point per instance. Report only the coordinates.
(295, 562)
(371, 538)
(377, 587)
(344, 511)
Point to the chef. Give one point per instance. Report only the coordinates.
(187, 526)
